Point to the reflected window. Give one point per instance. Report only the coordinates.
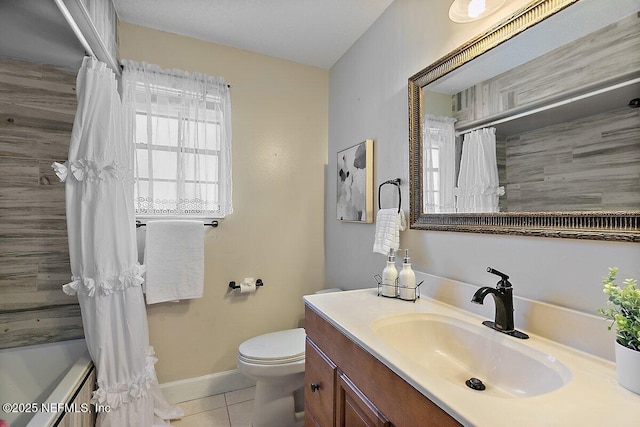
(440, 166)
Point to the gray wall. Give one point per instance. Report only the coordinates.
(368, 99)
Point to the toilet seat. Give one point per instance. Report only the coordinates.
(274, 348)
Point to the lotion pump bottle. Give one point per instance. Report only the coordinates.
(407, 279)
(390, 276)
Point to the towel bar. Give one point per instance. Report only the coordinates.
(395, 182)
(213, 224)
(233, 285)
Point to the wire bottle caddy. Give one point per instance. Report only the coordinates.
(396, 290)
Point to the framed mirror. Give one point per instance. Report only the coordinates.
(533, 127)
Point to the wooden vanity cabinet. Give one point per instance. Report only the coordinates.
(345, 386)
(319, 387)
(353, 408)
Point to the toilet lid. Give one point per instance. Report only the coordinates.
(276, 347)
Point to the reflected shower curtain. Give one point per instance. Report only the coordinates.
(106, 276)
(478, 186)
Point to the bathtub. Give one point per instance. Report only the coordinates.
(40, 376)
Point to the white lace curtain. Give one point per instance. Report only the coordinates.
(440, 164)
(478, 185)
(181, 124)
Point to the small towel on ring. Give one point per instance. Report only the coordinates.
(174, 257)
(389, 224)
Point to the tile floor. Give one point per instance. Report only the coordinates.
(233, 409)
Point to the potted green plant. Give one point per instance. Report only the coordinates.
(623, 309)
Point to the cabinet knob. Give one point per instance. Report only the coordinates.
(314, 387)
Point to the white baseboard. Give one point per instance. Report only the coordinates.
(204, 386)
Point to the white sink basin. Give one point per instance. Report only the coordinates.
(457, 351)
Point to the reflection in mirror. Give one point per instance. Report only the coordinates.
(440, 169)
(540, 126)
(478, 187)
(558, 158)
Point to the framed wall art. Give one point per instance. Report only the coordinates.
(355, 183)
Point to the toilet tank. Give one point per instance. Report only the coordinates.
(326, 291)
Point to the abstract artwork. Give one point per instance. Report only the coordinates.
(355, 183)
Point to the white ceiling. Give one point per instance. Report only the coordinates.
(313, 32)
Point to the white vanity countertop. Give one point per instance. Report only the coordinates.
(592, 396)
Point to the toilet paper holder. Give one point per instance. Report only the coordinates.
(233, 284)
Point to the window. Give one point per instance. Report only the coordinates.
(431, 185)
(438, 165)
(181, 127)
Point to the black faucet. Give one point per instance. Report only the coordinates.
(503, 297)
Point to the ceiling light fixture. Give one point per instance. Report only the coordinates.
(462, 11)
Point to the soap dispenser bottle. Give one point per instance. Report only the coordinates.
(407, 279)
(390, 277)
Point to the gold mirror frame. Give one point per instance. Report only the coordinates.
(600, 225)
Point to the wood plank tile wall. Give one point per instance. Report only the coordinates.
(588, 164)
(37, 108)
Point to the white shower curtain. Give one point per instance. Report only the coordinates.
(440, 164)
(106, 276)
(478, 186)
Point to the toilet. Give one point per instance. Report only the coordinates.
(276, 362)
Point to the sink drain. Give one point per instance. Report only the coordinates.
(475, 384)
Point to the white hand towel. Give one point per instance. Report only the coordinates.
(389, 224)
(174, 258)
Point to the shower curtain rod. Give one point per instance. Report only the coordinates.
(579, 94)
(74, 27)
(79, 19)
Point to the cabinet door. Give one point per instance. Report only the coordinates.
(319, 386)
(353, 408)
(81, 417)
